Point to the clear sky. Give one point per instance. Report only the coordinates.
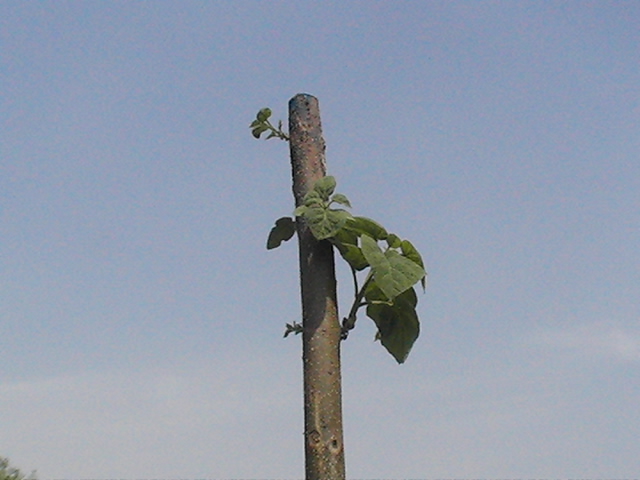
(141, 317)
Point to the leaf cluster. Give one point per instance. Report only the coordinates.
(394, 268)
(262, 124)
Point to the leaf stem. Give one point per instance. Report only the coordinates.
(349, 322)
(278, 133)
(355, 282)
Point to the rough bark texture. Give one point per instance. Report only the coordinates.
(324, 449)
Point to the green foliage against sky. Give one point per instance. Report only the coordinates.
(501, 138)
(387, 292)
(7, 472)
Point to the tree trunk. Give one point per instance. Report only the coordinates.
(324, 448)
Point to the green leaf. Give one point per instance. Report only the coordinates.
(312, 198)
(345, 236)
(373, 294)
(324, 222)
(353, 255)
(263, 115)
(347, 244)
(393, 241)
(341, 199)
(409, 251)
(364, 225)
(398, 324)
(300, 211)
(259, 130)
(393, 273)
(284, 229)
(325, 187)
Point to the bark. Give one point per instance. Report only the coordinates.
(324, 448)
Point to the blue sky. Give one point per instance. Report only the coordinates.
(141, 317)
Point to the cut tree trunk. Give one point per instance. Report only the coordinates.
(324, 447)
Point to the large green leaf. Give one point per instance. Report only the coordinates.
(366, 226)
(345, 236)
(283, 230)
(409, 251)
(393, 273)
(346, 242)
(353, 255)
(398, 324)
